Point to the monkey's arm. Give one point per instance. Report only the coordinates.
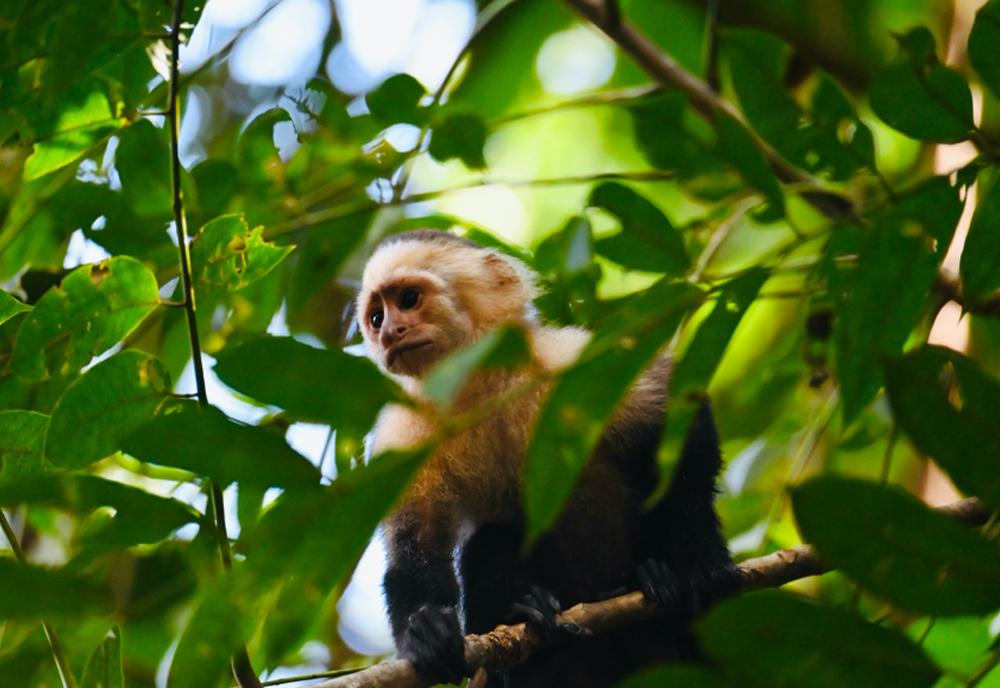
(421, 593)
(684, 557)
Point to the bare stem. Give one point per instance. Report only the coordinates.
(62, 665)
(242, 668)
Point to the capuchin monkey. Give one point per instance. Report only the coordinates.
(455, 559)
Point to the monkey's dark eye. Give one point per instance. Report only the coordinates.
(376, 318)
(409, 299)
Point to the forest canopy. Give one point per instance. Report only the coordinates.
(799, 201)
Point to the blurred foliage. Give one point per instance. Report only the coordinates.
(648, 222)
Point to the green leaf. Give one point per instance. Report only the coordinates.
(565, 260)
(695, 368)
(324, 386)
(899, 548)
(921, 97)
(984, 45)
(9, 307)
(219, 627)
(674, 138)
(502, 55)
(257, 160)
(980, 267)
(648, 241)
(573, 419)
(881, 278)
(675, 675)
(506, 348)
(217, 182)
(397, 99)
(22, 436)
(337, 520)
(140, 517)
(323, 253)
(104, 405)
(947, 405)
(141, 159)
(104, 668)
(206, 442)
(52, 593)
(771, 638)
(296, 607)
(737, 147)
(461, 136)
(757, 62)
(80, 127)
(227, 254)
(847, 142)
(94, 308)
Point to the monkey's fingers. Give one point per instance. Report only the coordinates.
(662, 587)
(435, 645)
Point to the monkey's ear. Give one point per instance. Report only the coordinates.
(501, 271)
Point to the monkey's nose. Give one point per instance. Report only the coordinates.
(393, 334)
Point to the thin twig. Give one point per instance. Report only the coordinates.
(507, 646)
(242, 668)
(402, 176)
(614, 97)
(705, 101)
(361, 205)
(58, 655)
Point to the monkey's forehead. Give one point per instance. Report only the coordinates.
(397, 259)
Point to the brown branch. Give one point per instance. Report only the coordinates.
(948, 288)
(706, 102)
(507, 646)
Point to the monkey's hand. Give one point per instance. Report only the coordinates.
(539, 609)
(688, 596)
(433, 641)
(662, 587)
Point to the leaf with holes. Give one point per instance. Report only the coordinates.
(227, 254)
(93, 309)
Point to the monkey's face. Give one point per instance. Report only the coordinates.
(411, 322)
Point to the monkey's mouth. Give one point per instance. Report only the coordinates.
(392, 355)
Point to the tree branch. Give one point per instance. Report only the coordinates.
(242, 668)
(507, 646)
(705, 101)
